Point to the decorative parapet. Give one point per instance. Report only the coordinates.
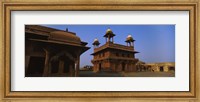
(115, 58)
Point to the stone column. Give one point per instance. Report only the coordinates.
(126, 67)
(46, 65)
(61, 66)
(77, 66)
(95, 67)
(108, 39)
(27, 60)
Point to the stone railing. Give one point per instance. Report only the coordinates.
(113, 45)
(117, 58)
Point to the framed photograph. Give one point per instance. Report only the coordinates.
(100, 49)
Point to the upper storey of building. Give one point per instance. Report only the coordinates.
(109, 37)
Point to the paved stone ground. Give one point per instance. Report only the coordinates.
(150, 74)
(99, 74)
(126, 74)
(115, 74)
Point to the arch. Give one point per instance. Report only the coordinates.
(54, 66)
(161, 68)
(69, 62)
(171, 68)
(123, 66)
(64, 53)
(100, 67)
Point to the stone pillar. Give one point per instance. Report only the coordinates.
(27, 63)
(61, 66)
(166, 68)
(46, 65)
(126, 67)
(77, 66)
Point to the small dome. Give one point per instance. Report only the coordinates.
(129, 38)
(65, 37)
(109, 31)
(96, 42)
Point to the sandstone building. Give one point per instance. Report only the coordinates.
(114, 57)
(52, 52)
(156, 67)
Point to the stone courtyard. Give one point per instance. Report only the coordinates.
(126, 74)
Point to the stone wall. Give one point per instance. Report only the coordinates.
(156, 67)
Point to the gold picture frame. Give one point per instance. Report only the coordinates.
(122, 5)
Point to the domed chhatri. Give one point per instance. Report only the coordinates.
(109, 34)
(96, 42)
(109, 30)
(129, 40)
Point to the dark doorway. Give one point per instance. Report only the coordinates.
(54, 66)
(161, 69)
(171, 68)
(36, 66)
(67, 65)
(123, 66)
(99, 66)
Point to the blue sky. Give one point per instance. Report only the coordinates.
(156, 43)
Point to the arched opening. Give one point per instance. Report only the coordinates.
(145, 68)
(54, 66)
(161, 69)
(100, 67)
(123, 66)
(68, 63)
(62, 62)
(171, 68)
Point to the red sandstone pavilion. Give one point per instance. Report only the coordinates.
(114, 57)
(52, 52)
